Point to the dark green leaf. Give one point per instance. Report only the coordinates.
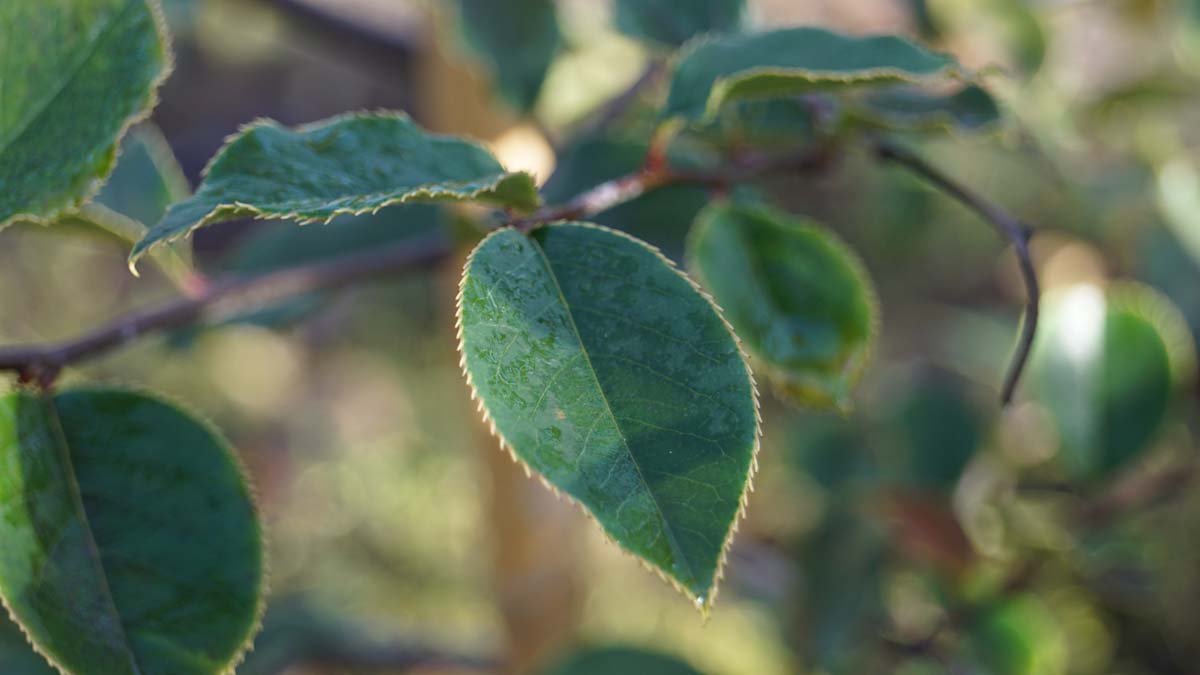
(620, 661)
(970, 109)
(1106, 366)
(131, 545)
(605, 370)
(351, 164)
(799, 297)
(790, 62)
(75, 75)
(518, 38)
(934, 429)
(673, 22)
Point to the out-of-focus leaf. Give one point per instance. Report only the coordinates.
(832, 451)
(1106, 366)
(1179, 202)
(518, 39)
(798, 296)
(793, 61)
(935, 430)
(75, 74)
(772, 123)
(1020, 637)
(908, 108)
(661, 217)
(673, 22)
(620, 661)
(605, 370)
(147, 180)
(131, 544)
(352, 164)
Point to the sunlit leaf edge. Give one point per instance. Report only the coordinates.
(260, 610)
(1156, 309)
(703, 604)
(92, 186)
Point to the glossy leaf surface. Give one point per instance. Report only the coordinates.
(352, 164)
(790, 62)
(1106, 366)
(799, 298)
(673, 22)
(606, 371)
(75, 74)
(518, 39)
(131, 544)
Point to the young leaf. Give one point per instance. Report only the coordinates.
(131, 544)
(604, 369)
(518, 38)
(1106, 365)
(798, 296)
(620, 661)
(75, 74)
(351, 164)
(970, 109)
(672, 22)
(789, 62)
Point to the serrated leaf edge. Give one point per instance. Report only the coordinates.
(779, 379)
(92, 185)
(242, 209)
(703, 604)
(260, 609)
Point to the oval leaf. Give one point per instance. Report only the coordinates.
(603, 368)
(792, 61)
(75, 75)
(131, 544)
(671, 22)
(351, 164)
(798, 296)
(519, 39)
(1106, 365)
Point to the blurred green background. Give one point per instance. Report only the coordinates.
(927, 531)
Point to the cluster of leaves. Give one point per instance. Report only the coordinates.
(599, 365)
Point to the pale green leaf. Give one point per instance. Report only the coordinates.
(131, 543)
(620, 661)
(73, 75)
(673, 22)
(1106, 366)
(789, 62)
(971, 108)
(351, 164)
(797, 295)
(605, 370)
(518, 39)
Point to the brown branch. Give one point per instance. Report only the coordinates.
(1007, 226)
(42, 363)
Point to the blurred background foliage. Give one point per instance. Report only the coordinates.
(927, 531)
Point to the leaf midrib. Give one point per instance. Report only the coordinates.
(75, 70)
(675, 548)
(64, 451)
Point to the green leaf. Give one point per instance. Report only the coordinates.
(908, 108)
(604, 369)
(16, 658)
(75, 75)
(1107, 365)
(790, 62)
(620, 661)
(930, 430)
(1020, 636)
(131, 543)
(518, 39)
(672, 22)
(797, 295)
(351, 164)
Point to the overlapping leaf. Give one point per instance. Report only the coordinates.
(790, 62)
(519, 40)
(74, 74)
(1106, 366)
(606, 371)
(908, 108)
(673, 22)
(351, 164)
(131, 545)
(799, 298)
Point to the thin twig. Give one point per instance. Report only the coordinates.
(42, 363)
(1007, 225)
